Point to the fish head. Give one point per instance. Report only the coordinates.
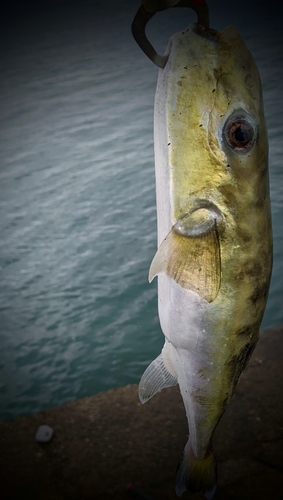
(210, 95)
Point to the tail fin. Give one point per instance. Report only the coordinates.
(196, 475)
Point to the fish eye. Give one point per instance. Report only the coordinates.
(239, 134)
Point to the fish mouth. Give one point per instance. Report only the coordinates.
(202, 218)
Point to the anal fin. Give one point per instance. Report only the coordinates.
(155, 378)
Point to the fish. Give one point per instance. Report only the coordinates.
(214, 255)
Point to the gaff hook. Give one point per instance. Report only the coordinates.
(147, 10)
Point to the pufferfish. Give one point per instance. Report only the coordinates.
(214, 255)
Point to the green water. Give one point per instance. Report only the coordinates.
(78, 217)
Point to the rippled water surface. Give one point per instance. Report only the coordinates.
(78, 217)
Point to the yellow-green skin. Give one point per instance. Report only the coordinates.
(204, 82)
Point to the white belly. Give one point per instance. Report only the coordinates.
(182, 314)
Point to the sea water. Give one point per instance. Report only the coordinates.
(77, 195)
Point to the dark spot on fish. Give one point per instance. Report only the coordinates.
(244, 235)
(200, 125)
(247, 331)
(228, 166)
(238, 277)
(185, 67)
(228, 192)
(201, 373)
(228, 103)
(260, 293)
(259, 203)
(225, 402)
(255, 271)
(263, 168)
(213, 90)
(203, 399)
(221, 116)
(238, 362)
(222, 407)
(168, 143)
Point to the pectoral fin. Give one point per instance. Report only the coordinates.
(190, 255)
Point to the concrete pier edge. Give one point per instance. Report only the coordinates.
(103, 442)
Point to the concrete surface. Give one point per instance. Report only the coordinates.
(103, 442)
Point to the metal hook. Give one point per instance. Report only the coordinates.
(143, 15)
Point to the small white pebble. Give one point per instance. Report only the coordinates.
(43, 434)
